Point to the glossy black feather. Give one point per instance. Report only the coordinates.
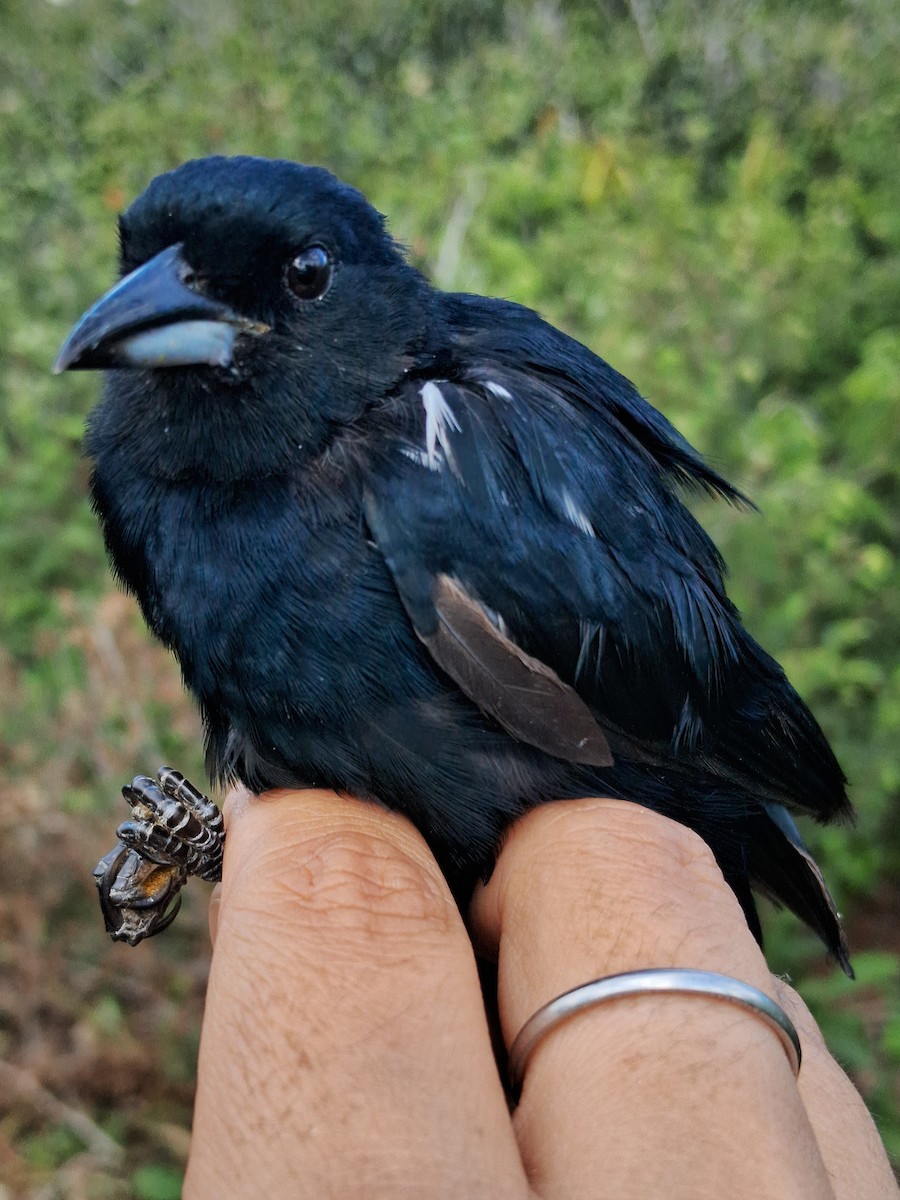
(285, 524)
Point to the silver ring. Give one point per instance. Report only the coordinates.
(638, 983)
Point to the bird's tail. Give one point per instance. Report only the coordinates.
(780, 866)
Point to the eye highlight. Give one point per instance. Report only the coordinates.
(309, 274)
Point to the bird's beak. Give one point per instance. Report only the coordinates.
(153, 318)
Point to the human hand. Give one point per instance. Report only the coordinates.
(345, 1049)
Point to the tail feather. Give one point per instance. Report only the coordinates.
(780, 865)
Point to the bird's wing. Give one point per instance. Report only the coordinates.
(546, 561)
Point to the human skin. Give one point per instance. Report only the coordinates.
(345, 1050)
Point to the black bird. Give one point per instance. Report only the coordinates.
(424, 547)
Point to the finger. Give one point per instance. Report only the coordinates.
(648, 1095)
(232, 806)
(851, 1149)
(344, 1049)
(215, 903)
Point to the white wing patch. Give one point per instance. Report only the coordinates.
(418, 456)
(589, 632)
(498, 389)
(576, 515)
(496, 619)
(439, 420)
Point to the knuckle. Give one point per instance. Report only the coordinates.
(593, 832)
(589, 846)
(362, 884)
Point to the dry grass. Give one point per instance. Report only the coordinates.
(99, 1040)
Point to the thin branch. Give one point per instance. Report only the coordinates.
(22, 1083)
(446, 268)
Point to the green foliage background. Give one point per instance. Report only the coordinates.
(705, 193)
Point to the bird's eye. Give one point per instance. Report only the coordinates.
(309, 274)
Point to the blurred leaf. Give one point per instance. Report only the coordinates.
(156, 1183)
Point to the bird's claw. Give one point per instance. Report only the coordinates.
(174, 832)
(138, 898)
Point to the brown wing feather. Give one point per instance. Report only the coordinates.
(520, 692)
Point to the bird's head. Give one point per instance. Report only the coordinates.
(252, 290)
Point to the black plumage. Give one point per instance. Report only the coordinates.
(425, 547)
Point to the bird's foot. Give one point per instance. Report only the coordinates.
(174, 832)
